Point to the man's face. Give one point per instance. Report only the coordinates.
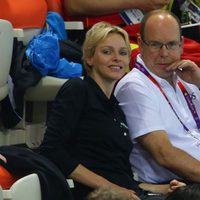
(160, 30)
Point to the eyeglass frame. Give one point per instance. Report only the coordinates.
(162, 44)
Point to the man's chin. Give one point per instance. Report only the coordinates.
(167, 75)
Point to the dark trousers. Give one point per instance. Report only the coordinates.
(152, 197)
(81, 192)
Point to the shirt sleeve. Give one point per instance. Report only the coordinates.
(141, 108)
(61, 127)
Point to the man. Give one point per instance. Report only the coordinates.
(164, 129)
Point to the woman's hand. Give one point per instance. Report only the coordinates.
(87, 177)
(127, 192)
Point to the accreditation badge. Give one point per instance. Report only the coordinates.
(132, 16)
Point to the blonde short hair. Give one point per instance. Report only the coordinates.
(98, 33)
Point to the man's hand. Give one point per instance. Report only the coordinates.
(174, 184)
(186, 70)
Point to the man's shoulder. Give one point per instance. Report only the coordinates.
(134, 78)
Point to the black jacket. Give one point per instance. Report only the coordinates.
(85, 127)
(23, 161)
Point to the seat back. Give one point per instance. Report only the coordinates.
(26, 188)
(6, 46)
(1, 193)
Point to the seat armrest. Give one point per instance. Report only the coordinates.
(26, 34)
(74, 25)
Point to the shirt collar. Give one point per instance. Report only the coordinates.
(98, 91)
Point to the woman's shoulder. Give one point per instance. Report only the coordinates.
(77, 83)
(74, 86)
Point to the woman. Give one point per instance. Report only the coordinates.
(86, 134)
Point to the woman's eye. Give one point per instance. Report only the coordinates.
(123, 53)
(110, 51)
(107, 51)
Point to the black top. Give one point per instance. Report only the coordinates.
(88, 128)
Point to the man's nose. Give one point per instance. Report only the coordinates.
(164, 51)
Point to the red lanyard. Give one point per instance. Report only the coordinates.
(184, 91)
(190, 103)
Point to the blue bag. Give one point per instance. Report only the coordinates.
(44, 51)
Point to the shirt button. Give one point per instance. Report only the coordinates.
(125, 134)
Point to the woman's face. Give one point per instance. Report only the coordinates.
(110, 59)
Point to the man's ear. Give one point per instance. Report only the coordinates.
(139, 42)
(182, 43)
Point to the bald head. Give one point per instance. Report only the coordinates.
(160, 42)
(158, 19)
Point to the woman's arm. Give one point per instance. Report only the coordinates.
(96, 7)
(65, 114)
(86, 177)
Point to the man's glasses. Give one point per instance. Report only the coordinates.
(158, 45)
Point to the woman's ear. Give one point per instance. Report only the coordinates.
(89, 61)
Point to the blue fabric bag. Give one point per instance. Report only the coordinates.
(44, 51)
(64, 68)
(56, 25)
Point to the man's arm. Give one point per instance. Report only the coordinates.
(170, 157)
(96, 7)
